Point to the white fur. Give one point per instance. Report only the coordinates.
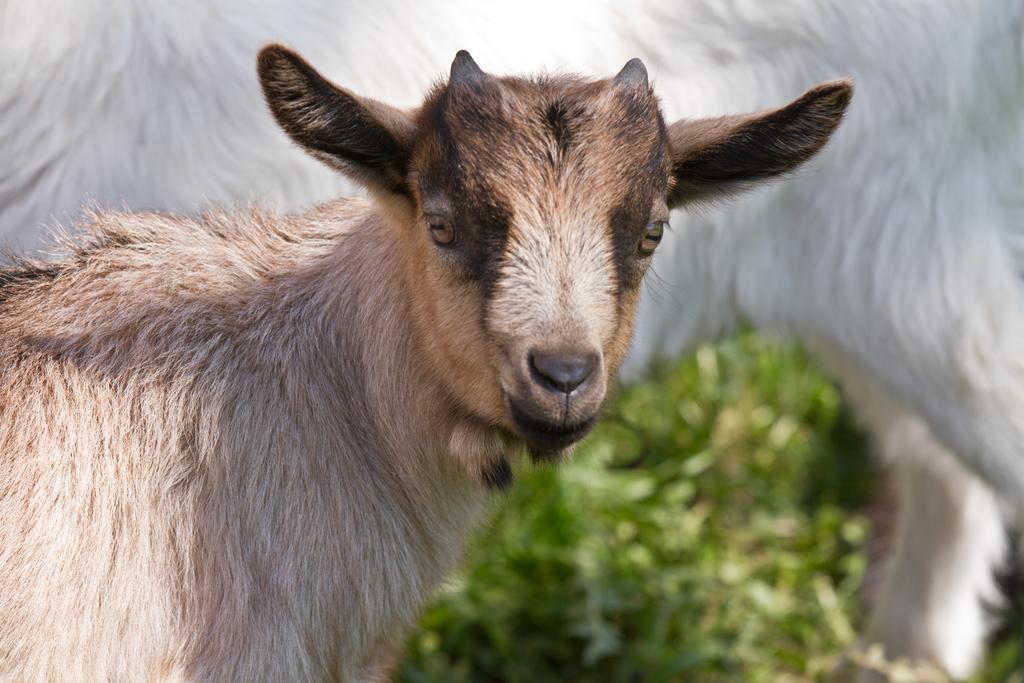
(896, 256)
(938, 582)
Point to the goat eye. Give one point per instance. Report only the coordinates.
(441, 230)
(652, 237)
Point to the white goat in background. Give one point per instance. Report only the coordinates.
(896, 258)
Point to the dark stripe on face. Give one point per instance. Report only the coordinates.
(557, 120)
(492, 222)
(476, 146)
(480, 215)
(629, 218)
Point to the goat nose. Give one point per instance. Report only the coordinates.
(562, 372)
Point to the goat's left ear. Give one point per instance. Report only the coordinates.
(365, 139)
(713, 157)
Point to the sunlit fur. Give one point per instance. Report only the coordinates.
(196, 454)
(248, 446)
(903, 239)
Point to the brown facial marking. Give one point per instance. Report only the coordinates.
(595, 145)
(560, 118)
(454, 169)
(549, 184)
(523, 206)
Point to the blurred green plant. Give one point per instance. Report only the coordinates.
(712, 529)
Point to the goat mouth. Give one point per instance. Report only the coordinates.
(545, 439)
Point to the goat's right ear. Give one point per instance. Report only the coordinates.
(365, 139)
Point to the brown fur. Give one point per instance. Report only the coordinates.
(247, 447)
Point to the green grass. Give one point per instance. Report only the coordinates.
(712, 529)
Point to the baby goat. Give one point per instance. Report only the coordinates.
(247, 447)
